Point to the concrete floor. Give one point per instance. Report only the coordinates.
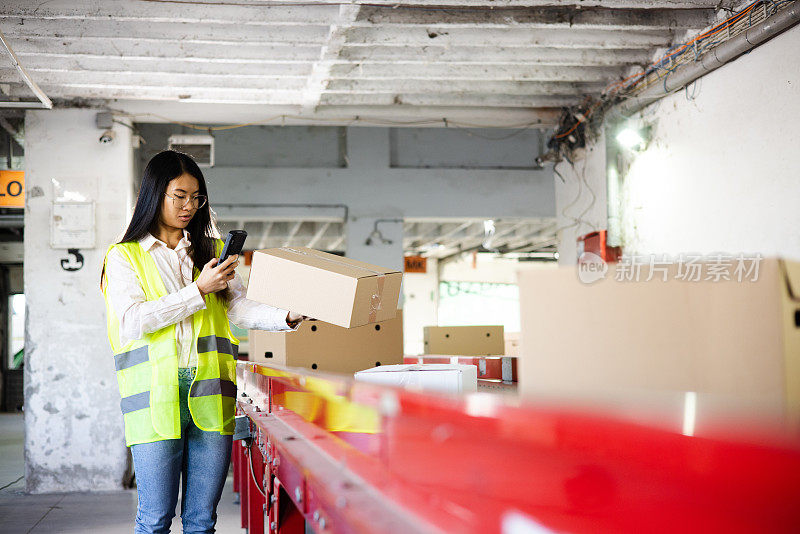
(106, 512)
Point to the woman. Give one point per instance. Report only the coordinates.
(168, 305)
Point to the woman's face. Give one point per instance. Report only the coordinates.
(177, 209)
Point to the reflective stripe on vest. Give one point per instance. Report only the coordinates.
(213, 386)
(217, 343)
(131, 358)
(139, 401)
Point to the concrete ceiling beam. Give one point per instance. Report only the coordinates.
(489, 17)
(479, 37)
(135, 79)
(124, 48)
(323, 227)
(292, 232)
(14, 132)
(363, 87)
(337, 243)
(455, 229)
(124, 10)
(502, 229)
(541, 17)
(305, 34)
(151, 55)
(262, 243)
(302, 34)
(290, 98)
(169, 66)
(625, 4)
(207, 95)
(537, 55)
(301, 64)
(448, 99)
(257, 11)
(448, 73)
(288, 115)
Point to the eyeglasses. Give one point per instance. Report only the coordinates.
(179, 201)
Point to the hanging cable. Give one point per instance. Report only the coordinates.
(252, 472)
(693, 45)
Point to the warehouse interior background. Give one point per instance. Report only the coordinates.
(481, 136)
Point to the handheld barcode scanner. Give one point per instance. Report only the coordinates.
(233, 244)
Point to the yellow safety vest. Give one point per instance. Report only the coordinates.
(147, 368)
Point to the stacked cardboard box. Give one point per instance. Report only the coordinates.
(464, 340)
(326, 347)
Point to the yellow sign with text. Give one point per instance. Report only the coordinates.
(12, 189)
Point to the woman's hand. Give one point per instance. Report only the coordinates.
(292, 317)
(215, 277)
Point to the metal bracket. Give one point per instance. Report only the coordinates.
(242, 428)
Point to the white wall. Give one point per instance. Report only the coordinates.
(722, 172)
(73, 426)
(421, 298)
(580, 197)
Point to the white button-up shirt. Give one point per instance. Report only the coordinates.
(138, 316)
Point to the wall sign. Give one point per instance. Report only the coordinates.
(416, 264)
(75, 263)
(72, 225)
(12, 189)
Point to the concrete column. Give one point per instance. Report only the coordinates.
(368, 148)
(73, 426)
(374, 235)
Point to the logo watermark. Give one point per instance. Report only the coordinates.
(716, 267)
(591, 268)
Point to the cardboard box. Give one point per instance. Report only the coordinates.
(324, 286)
(512, 344)
(326, 347)
(464, 340)
(450, 378)
(729, 339)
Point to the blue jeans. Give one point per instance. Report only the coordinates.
(198, 459)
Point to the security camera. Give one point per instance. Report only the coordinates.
(107, 137)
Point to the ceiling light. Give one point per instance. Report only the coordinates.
(376, 237)
(630, 139)
(431, 247)
(488, 234)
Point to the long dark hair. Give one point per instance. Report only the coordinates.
(160, 171)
